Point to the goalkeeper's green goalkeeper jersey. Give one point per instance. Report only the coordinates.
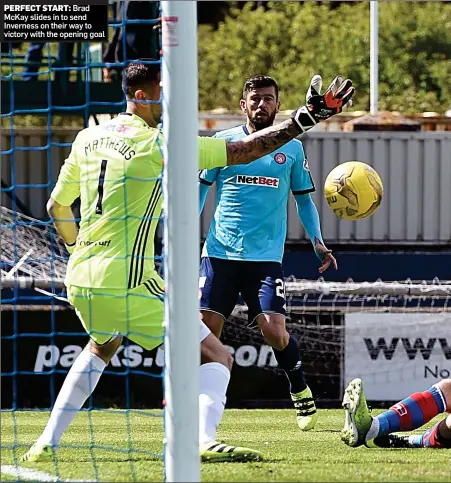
(116, 169)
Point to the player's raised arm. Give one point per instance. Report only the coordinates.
(319, 107)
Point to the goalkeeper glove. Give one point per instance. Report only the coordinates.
(70, 248)
(320, 107)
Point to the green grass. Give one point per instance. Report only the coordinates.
(290, 455)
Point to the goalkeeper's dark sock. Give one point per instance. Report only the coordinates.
(289, 359)
(409, 414)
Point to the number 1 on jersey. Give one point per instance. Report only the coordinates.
(100, 187)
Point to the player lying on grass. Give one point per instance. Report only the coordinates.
(245, 243)
(409, 414)
(111, 280)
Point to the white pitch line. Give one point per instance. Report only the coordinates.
(21, 473)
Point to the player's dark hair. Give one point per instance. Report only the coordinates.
(258, 82)
(140, 74)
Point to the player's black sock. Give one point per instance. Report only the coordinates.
(289, 359)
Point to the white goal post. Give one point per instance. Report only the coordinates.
(181, 240)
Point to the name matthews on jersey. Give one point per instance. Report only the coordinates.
(118, 145)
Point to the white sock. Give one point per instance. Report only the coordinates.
(373, 431)
(80, 382)
(214, 380)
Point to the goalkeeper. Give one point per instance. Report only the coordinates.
(411, 413)
(244, 246)
(111, 280)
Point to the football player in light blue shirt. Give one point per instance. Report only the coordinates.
(244, 247)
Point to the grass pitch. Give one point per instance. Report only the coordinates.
(118, 446)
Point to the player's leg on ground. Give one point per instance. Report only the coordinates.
(216, 364)
(78, 385)
(288, 356)
(445, 427)
(413, 412)
(439, 436)
(407, 415)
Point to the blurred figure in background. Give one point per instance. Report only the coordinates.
(132, 41)
(34, 56)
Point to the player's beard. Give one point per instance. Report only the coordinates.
(259, 124)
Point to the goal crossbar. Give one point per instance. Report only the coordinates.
(301, 287)
(407, 288)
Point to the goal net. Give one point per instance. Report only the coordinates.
(31, 249)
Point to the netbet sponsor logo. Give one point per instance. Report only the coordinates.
(50, 356)
(257, 181)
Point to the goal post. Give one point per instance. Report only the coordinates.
(181, 240)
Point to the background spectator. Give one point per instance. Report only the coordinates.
(137, 40)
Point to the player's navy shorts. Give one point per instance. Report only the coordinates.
(261, 284)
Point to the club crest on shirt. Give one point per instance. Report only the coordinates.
(280, 158)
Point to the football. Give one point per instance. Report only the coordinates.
(353, 190)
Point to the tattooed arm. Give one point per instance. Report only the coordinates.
(261, 143)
